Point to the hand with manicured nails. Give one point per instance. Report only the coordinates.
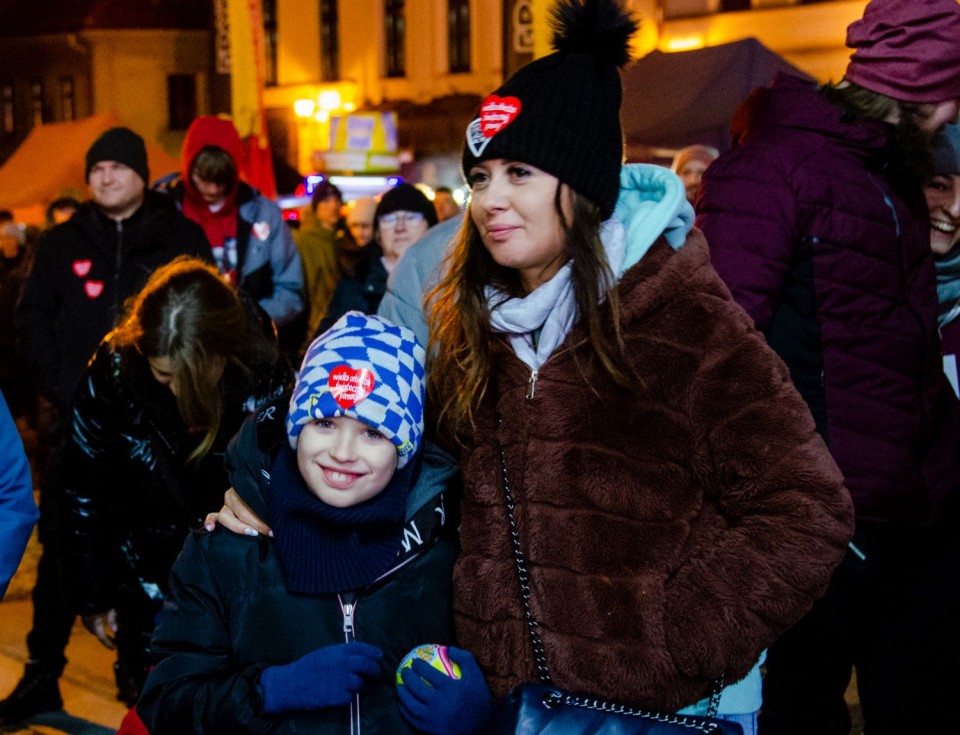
(435, 703)
(327, 677)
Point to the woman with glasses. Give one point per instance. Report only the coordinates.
(403, 216)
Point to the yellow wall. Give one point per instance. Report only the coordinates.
(810, 36)
(361, 51)
(298, 31)
(129, 72)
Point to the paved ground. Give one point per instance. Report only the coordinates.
(87, 687)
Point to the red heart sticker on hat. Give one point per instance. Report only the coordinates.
(496, 113)
(349, 386)
(93, 288)
(82, 267)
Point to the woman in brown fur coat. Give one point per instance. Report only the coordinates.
(675, 506)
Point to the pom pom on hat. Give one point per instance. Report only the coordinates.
(123, 146)
(561, 113)
(907, 49)
(368, 369)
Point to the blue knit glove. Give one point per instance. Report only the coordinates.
(435, 703)
(326, 677)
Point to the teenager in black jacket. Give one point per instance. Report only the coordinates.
(143, 462)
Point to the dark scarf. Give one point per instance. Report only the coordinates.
(325, 549)
(948, 286)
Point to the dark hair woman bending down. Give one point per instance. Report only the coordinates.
(143, 464)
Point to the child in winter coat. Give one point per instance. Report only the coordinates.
(303, 632)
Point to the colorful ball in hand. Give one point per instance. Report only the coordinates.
(433, 654)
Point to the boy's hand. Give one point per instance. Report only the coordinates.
(435, 703)
(327, 677)
(236, 516)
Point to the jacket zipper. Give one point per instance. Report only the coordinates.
(348, 608)
(533, 384)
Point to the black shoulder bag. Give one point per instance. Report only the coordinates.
(530, 709)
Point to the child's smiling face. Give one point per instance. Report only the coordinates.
(345, 461)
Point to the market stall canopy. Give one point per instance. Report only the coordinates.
(671, 100)
(51, 163)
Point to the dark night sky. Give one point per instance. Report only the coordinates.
(29, 17)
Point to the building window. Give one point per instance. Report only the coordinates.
(181, 100)
(329, 41)
(6, 100)
(728, 5)
(68, 106)
(36, 102)
(269, 10)
(396, 33)
(458, 35)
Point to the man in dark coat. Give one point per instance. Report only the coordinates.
(816, 222)
(84, 270)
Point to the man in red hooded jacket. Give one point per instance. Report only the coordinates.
(251, 243)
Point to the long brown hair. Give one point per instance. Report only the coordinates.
(187, 313)
(461, 339)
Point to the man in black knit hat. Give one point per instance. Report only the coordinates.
(83, 272)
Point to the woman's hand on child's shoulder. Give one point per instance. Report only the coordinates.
(236, 516)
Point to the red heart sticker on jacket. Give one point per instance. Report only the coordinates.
(349, 386)
(261, 230)
(82, 267)
(93, 288)
(496, 113)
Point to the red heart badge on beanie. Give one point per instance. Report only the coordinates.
(496, 113)
(93, 288)
(81, 268)
(349, 386)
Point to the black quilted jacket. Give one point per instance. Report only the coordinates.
(130, 496)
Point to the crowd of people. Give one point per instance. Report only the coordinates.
(680, 438)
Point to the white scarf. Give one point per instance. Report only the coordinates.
(652, 202)
(551, 308)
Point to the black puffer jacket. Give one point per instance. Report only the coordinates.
(83, 272)
(130, 496)
(229, 615)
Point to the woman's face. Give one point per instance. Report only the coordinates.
(513, 207)
(164, 373)
(398, 230)
(691, 174)
(943, 200)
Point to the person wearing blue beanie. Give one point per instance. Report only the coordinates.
(302, 631)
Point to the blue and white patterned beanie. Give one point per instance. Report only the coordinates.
(368, 369)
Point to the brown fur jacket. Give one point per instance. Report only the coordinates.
(672, 532)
